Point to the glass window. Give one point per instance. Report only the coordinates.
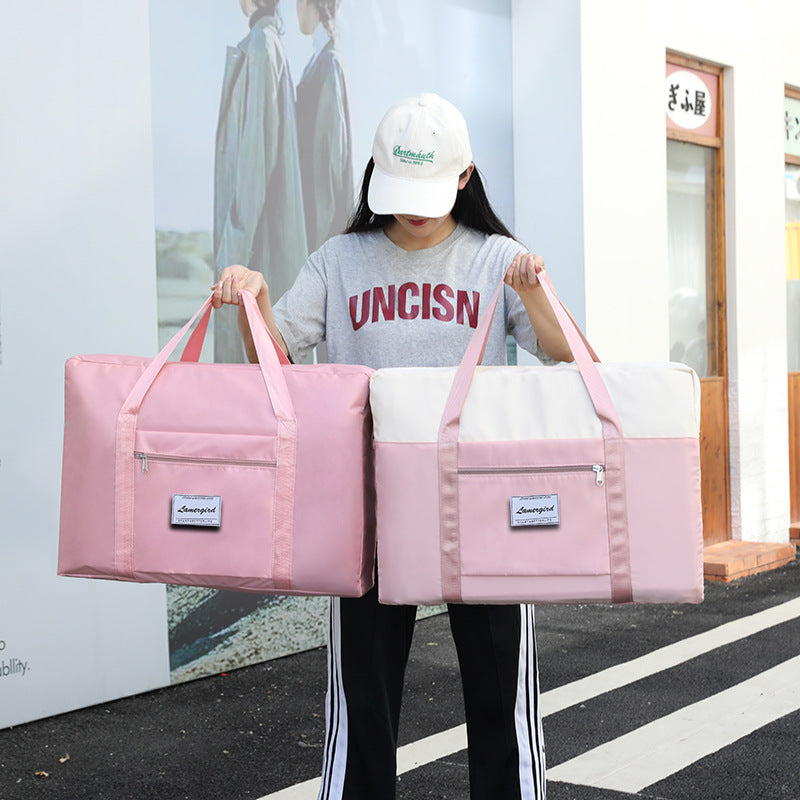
(691, 220)
(793, 266)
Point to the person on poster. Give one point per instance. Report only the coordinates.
(423, 219)
(258, 201)
(323, 127)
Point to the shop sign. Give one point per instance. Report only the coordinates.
(691, 100)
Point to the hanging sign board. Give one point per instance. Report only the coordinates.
(791, 126)
(691, 99)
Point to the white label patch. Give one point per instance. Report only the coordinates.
(535, 509)
(197, 509)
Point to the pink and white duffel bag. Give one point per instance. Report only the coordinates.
(253, 477)
(577, 483)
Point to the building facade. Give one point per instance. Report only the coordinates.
(674, 236)
(649, 150)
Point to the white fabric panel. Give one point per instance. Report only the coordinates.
(652, 400)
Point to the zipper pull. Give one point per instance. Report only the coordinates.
(600, 471)
(143, 456)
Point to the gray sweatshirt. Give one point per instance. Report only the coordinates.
(376, 304)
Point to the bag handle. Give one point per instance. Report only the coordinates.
(613, 441)
(286, 451)
(195, 344)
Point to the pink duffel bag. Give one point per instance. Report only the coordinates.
(253, 477)
(576, 483)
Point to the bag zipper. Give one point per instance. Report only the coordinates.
(233, 462)
(598, 469)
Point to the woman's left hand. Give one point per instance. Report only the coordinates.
(521, 274)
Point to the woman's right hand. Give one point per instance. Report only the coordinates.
(233, 280)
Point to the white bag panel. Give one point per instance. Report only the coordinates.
(652, 400)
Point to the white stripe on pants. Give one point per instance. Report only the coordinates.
(368, 648)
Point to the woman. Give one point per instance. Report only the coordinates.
(258, 204)
(424, 220)
(323, 127)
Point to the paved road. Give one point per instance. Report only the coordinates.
(657, 702)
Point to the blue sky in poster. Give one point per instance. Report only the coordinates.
(391, 49)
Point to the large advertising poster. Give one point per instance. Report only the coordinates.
(263, 117)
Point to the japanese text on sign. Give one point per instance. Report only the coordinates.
(689, 100)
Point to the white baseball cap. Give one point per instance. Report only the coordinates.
(420, 148)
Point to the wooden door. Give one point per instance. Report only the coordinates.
(794, 445)
(714, 440)
(714, 460)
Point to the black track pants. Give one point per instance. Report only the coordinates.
(368, 650)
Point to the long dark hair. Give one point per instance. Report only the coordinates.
(472, 208)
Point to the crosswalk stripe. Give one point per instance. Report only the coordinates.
(300, 791)
(439, 745)
(664, 658)
(409, 757)
(663, 747)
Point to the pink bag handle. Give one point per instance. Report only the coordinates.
(195, 344)
(286, 451)
(613, 440)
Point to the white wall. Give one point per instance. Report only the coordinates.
(78, 276)
(624, 150)
(623, 228)
(756, 275)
